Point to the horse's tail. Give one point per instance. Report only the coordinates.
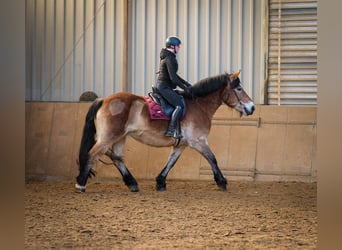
(88, 136)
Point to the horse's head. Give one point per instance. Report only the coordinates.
(236, 97)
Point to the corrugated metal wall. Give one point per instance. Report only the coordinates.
(72, 47)
(217, 36)
(292, 52)
(76, 46)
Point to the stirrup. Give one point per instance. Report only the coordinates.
(170, 133)
(175, 134)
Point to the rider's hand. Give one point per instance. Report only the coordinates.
(188, 91)
(187, 84)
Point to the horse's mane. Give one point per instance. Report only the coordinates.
(210, 84)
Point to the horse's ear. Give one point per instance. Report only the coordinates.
(234, 75)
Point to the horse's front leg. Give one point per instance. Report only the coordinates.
(161, 178)
(204, 149)
(116, 155)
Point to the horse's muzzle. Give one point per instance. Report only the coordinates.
(249, 108)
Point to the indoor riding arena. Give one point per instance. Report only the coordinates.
(270, 200)
(79, 50)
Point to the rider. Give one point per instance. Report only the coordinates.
(168, 80)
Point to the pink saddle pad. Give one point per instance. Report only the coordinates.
(156, 112)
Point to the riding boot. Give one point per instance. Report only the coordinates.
(172, 130)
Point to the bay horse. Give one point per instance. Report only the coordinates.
(109, 120)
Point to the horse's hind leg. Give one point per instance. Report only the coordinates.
(116, 155)
(81, 179)
(86, 165)
(161, 178)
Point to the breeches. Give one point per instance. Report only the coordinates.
(170, 95)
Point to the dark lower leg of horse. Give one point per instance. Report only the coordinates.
(218, 176)
(127, 177)
(161, 178)
(87, 159)
(161, 183)
(81, 179)
(129, 180)
(115, 154)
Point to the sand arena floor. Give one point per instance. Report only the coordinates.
(189, 215)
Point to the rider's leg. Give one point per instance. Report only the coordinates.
(175, 100)
(172, 130)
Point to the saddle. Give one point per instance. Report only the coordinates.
(158, 107)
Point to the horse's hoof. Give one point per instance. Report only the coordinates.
(221, 183)
(134, 188)
(80, 188)
(223, 187)
(161, 188)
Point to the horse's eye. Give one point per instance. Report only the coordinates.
(238, 88)
(235, 83)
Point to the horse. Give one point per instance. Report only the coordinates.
(111, 119)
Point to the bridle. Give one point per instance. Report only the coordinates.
(236, 95)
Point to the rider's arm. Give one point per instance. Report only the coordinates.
(172, 69)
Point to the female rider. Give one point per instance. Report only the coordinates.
(168, 80)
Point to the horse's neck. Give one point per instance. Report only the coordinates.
(210, 103)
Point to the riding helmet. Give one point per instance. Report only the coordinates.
(172, 40)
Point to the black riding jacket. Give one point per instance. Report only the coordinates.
(168, 68)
